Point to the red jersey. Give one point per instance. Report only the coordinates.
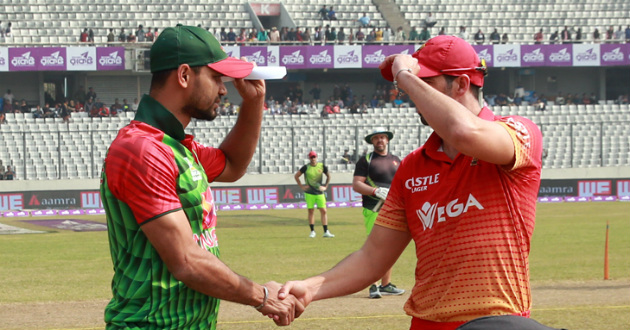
(472, 223)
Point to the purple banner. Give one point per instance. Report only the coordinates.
(71, 212)
(374, 55)
(51, 59)
(485, 52)
(110, 58)
(615, 54)
(44, 212)
(293, 57)
(256, 55)
(532, 55)
(559, 55)
(22, 59)
(320, 57)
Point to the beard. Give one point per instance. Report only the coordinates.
(197, 106)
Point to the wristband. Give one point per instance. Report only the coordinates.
(396, 79)
(264, 299)
(374, 191)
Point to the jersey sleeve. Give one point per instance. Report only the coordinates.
(212, 159)
(141, 172)
(527, 140)
(392, 215)
(361, 168)
(303, 169)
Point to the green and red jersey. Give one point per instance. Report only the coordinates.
(472, 223)
(151, 169)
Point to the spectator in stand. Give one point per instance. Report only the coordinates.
(538, 37)
(122, 36)
(443, 32)
(364, 21)
(628, 34)
(116, 107)
(24, 108)
(274, 35)
(90, 107)
(149, 36)
(560, 99)
(48, 111)
(462, 33)
(400, 35)
(619, 34)
(90, 36)
(332, 15)
(262, 35)
(555, 37)
(479, 37)
(38, 112)
(387, 35)
(125, 106)
(231, 36)
(140, 34)
(7, 30)
(9, 174)
(341, 35)
(64, 111)
(323, 13)
(83, 37)
(495, 38)
(110, 36)
(596, 36)
(430, 21)
(359, 35)
(578, 36)
(566, 35)
(134, 105)
(91, 94)
(424, 34)
(610, 34)
(413, 34)
(1, 30)
(505, 38)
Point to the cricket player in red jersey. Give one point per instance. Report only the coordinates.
(467, 198)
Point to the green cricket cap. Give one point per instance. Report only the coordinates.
(196, 47)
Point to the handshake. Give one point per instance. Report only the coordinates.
(284, 303)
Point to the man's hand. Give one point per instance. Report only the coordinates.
(323, 188)
(299, 290)
(284, 310)
(381, 193)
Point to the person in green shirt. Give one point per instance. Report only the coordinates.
(314, 191)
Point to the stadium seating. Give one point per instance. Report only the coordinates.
(573, 137)
(61, 21)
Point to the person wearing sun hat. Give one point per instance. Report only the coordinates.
(155, 190)
(373, 175)
(466, 197)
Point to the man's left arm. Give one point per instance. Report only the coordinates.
(240, 144)
(325, 186)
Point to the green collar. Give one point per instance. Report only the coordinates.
(150, 111)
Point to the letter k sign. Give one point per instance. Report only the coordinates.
(427, 214)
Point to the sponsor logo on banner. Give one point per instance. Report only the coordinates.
(11, 202)
(22, 59)
(293, 57)
(4, 59)
(591, 188)
(586, 55)
(535, 56)
(110, 58)
(52, 59)
(256, 55)
(558, 55)
(344, 194)
(232, 51)
(485, 52)
(623, 188)
(81, 58)
(273, 56)
(320, 57)
(262, 195)
(91, 200)
(507, 55)
(532, 55)
(562, 56)
(374, 59)
(615, 54)
(348, 56)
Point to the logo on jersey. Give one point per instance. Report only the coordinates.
(196, 175)
(521, 131)
(421, 183)
(429, 214)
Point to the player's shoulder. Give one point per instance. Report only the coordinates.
(139, 139)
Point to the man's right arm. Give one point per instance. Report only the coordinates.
(357, 271)
(202, 271)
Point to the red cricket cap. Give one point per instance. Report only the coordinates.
(312, 153)
(449, 55)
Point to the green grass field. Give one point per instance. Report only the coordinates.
(568, 247)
